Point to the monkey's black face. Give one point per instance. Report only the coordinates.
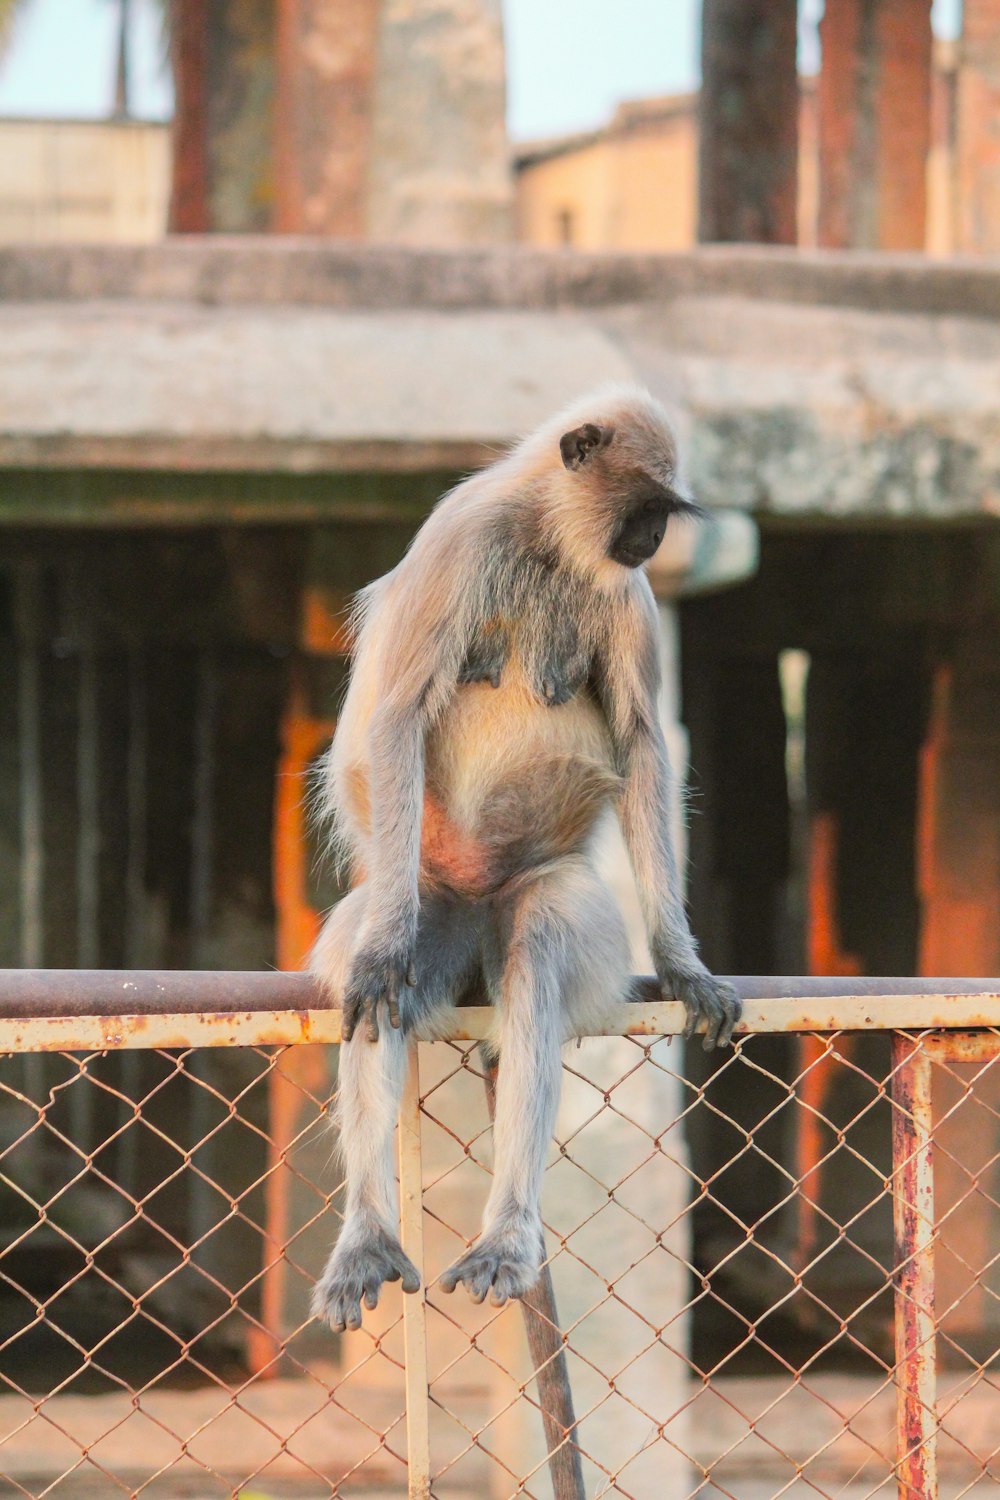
(641, 528)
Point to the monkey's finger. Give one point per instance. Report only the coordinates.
(411, 975)
(714, 1007)
(392, 1003)
(733, 1013)
(371, 1007)
(371, 1299)
(672, 992)
(722, 1008)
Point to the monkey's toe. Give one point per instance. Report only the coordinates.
(496, 1268)
(707, 1000)
(359, 1265)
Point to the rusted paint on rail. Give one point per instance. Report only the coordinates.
(182, 1027)
(962, 1046)
(913, 1278)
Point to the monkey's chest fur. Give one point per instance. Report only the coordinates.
(555, 662)
(520, 768)
(537, 620)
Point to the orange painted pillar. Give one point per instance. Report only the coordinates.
(959, 874)
(874, 106)
(300, 1072)
(978, 128)
(825, 956)
(959, 832)
(323, 106)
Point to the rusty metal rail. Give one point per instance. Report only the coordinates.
(938, 1027)
(203, 1008)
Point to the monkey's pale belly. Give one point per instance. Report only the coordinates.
(511, 784)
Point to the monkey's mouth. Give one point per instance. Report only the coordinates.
(632, 550)
(641, 531)
(635, 559)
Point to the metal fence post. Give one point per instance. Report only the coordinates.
(913, 1270)
(411, 1217)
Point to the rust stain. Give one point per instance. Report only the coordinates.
(913, 1274)
(969, 1024)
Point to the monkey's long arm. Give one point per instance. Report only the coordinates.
(383, 961)
(416, 649)
(629, 672)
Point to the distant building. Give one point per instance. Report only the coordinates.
(83, 180)
(633, 184)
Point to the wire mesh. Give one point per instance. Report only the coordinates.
(721, 1245)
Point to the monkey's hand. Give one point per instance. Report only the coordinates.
(377, 975)
(706, 999)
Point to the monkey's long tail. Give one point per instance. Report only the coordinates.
(548, 1357)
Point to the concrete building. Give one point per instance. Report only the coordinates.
(633, 183)
(206, 444)
(83, 181)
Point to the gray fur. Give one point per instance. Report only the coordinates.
(503, 695)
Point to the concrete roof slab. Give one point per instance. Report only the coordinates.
(805, 386)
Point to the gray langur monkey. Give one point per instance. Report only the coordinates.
(503, 697)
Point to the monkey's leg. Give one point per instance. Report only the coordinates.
(370, 1082)
(566, 939)
(367, 1251)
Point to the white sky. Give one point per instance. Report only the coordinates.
(569, 62)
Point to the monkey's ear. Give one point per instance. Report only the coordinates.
(577, 446)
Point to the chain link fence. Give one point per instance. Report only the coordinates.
(778, 1279)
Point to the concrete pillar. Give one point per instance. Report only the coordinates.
(874, 124)
(978, 128)
(748, 122)
(440, 172)
(380, 119)
(222, 61)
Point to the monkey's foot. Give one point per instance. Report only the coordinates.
(706, 999)
(501, 1263)
(363, 1258)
